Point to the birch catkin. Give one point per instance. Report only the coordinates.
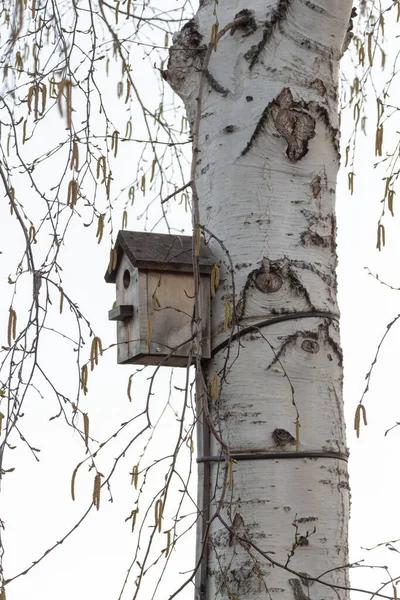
(73, 482)
(168, 548)
(357, 417)
(84, 379)
(114, 142)
(135, 476)
(12, 326)
(133, 517)
(129, 388)
(112, 263)
(86, 428)
(214, 279)
(95, 349)
(158, 510)
(100, 228)
(96, 491)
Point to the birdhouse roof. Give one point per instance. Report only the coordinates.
(159, 252)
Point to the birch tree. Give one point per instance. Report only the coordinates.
(261, 98)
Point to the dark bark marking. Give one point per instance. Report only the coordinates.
(229, 128)
(343, 485)
(283, 438)
(316, 186)
(328, 279)
(249, 26)
(216, 86)
(312, 238)
(189, 33)
(313, 6)
(309, 238)
(302, 540)
(249, 98)
(246, 579)
(307, 519)
(292, 120)
(318, 85)
(333, 230)
(298, 590)
(239, 532)
(335, 346)
(277, 16)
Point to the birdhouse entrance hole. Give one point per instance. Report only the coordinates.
(126, 279)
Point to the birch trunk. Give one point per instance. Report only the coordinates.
(266, 172)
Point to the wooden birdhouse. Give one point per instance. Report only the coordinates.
(155, 298)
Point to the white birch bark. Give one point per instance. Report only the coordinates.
(266, 177)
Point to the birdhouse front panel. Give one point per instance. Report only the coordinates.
(167, 326)
(154, 307)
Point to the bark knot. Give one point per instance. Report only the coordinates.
(310, 346)
(266, 279)
(294, 123)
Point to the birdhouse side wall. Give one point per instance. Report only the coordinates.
(127, 290)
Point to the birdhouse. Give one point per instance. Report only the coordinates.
(154, 308)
